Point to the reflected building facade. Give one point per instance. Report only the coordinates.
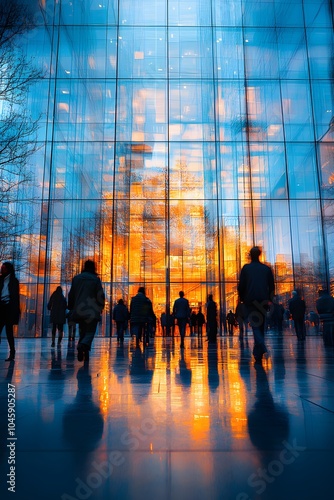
(174, 135)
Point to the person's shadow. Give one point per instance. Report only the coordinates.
(57, 376)
(82, 420)
(279, 361)
(141, 371)
(185, 374)
(213, 377)
(268, 422)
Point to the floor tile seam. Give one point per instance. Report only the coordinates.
(315, 375)
(315, 404)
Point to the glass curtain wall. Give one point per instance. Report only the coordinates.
(173, 136)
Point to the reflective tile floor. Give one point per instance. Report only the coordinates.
(203, 423)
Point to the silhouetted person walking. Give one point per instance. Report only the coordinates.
(256, 289)
(211, 320)
(9, 304)
(181, 311)
(57, 306)
(86, 300)
(121, 316)
(297, 308)
(200, 319)
(325, 308)
(140, 311)
(230, 318)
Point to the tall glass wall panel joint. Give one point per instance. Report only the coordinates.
(171, 136)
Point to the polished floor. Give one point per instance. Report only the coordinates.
(165, 423)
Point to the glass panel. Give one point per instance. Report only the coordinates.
(297, 111)
(267, 171)
(228, 52)
(187, 162)
(326, 154)
(259, 13)
(85, 110)
(78, 169)
(323, 105)
(318, 13)
(189, 13)
(292, 53)
(264, 111)
(141, 111)
(227, 12)
(320, 44)
(191, 113)
(142, 53)
(302, 171)
(308, 251)
(87, 52)
(187, 239)
(103, 12)
(144, 13)
(261, 53)
(233, 173)
(288, 13)
(272, 230)
(231, 113)
(190, 53)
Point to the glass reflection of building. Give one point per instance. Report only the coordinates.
(175, 134)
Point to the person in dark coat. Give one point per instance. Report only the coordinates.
(181, 311)
(120, 315)
(256, 290)
(141, 310)
(230, 318)
(9, 304)
(193, 323)
(57, 306)
(211, 320)
(163, 323)
(325, 308)
(86, 301)
(223, 322)
(200, 319)
(241, 318)
(297, 308)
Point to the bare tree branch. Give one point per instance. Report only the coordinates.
(18, 131)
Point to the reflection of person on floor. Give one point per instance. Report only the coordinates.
(82, 420)
(268, 423)
(71, 326)
(86, 300)
(185, 373)
(256, 289)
